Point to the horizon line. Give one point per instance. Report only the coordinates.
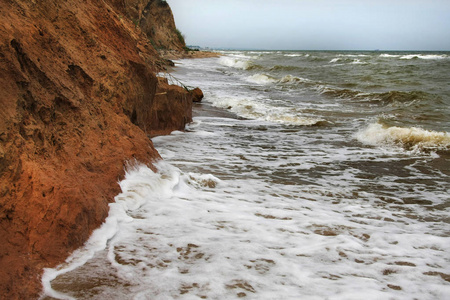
(356, 50)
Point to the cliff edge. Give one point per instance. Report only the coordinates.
(79, 99)
(155, 19)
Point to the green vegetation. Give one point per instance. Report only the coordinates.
(162, 3)
(180, 36)
(187, 49)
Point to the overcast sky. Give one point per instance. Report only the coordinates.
(315, 24)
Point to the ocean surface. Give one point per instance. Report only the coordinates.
(305, 175)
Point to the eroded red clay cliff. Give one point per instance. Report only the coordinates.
(78, 99)
(156, 20)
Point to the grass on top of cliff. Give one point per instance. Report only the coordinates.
(163, 3)
(180, 36)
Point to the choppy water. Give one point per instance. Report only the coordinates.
(305, 175)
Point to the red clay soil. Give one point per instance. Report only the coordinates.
(77, 101)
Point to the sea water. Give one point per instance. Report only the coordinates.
(305, 175)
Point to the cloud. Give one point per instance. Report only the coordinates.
(315, 24)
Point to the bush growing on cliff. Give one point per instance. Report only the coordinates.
(180, 36)
(162, 3)
(187, 49)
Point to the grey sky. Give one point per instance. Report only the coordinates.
(315, 24)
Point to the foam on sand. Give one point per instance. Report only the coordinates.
(140, 182)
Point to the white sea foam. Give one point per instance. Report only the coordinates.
(294, 79)
(358, 62)
(260, 52)
(261, 79)
(190, 235)
(413, 138)
(385, 55)
(267, 79)
(293, 55)
(235, 62)
(427, 56)
(415, 56)
(139, 181)
(344, 60)
(258, 110)
(335, 60)
(353, 55)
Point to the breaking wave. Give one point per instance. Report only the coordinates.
(267, 79)
(295, 79)
(429, 56)
(293, 55)
(261, 79)
(347, 59)
(257, 110)
(414, 56)
(234, 62)
(411, 139)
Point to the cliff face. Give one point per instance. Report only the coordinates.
(78, 99)
(156, 20)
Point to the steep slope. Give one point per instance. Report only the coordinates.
(77, 102)
(156, 20)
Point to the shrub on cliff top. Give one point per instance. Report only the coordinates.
(163, 3)
(180, 36)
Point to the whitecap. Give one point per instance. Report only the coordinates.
(415, 56)
(385, 55)
(335, 60)
(353, 55)
(358, 62)
(293, 55)
(237, 63)
(261, 79)
(410, 138)
(294, 79)
(256, 109)
(421, 56)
